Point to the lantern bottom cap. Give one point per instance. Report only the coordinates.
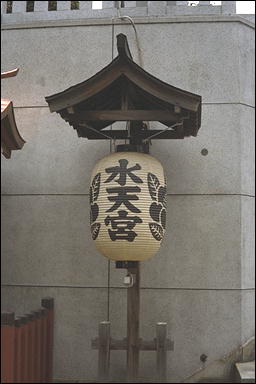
(135, 258)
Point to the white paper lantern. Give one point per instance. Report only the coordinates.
(128, 206)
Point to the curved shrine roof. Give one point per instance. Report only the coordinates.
(123, 91)
(10, 137)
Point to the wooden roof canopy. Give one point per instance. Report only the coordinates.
(10, 137)
(123, 91)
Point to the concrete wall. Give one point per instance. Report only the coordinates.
(201, 281)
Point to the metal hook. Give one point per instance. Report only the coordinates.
(129, 280)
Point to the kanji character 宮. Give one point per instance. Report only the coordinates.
(122, 226)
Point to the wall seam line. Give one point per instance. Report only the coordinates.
(124, 288)
(104, 21)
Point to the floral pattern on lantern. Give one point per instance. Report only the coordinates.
(157, 209)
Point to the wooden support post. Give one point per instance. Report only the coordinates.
(33, 347)
(37, 348)
(104, 350)
(18, 351)
(133, 313)
(26, 348)
(132, 343)
(22, 371)
(48, 303)
(41, 335)
(7, 347)
(137, 131)
(43, 345)
(30, 348)
(161, 351)
(37, 315)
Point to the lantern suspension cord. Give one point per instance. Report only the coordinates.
(136, 37)
(125, 17)
(95, 130)
(144, 141)
(111, 146)
(161, 131)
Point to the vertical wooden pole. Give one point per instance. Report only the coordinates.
(48, 303)
(43, 345)
(18, 351)
(22, 351)
(29, 331)
(40, 337)
(33, 348)
(35, 359)
(133, 313)
(161, 351)
(7, 347)
(37, 346)
(104, 350)
(25, 331)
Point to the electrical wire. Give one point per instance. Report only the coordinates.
(125, 17)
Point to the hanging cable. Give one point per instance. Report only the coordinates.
(123, 17)
(95, 130)
(112, 56)
(161, 131)
(111, 149)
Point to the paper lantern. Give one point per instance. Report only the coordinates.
(128, 206)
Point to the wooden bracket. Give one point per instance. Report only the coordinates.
(104, 344)
(121, 345)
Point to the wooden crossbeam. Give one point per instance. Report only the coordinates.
(123, 134)
(126, 115)
(104, 343)
(121, 345)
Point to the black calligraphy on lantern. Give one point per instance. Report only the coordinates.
(123, 197)
(122, 226)
(123, 171)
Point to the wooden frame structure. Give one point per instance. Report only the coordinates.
(132, 344)
(123, 91)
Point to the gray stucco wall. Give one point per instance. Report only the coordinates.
(201, 282)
